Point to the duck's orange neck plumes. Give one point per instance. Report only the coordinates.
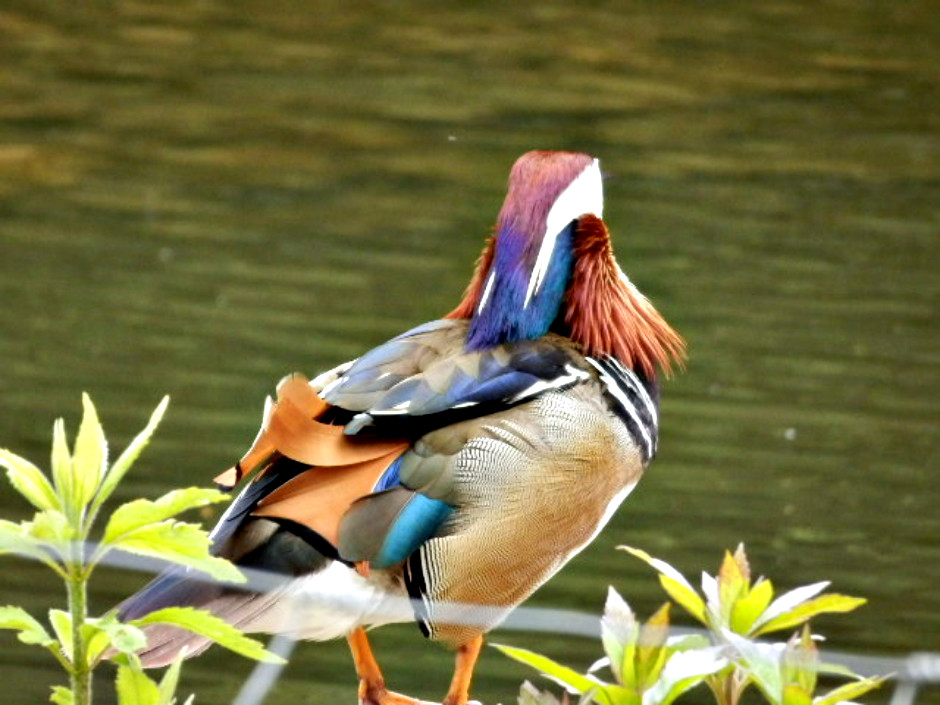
(471, 297)
(607, 315)
(602, 310)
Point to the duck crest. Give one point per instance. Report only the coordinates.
(550, 267)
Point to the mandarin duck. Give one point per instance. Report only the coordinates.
(463, 462)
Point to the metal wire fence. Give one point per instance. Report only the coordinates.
(909, 674)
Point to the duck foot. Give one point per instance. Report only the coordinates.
(387, 697)
(381, 696)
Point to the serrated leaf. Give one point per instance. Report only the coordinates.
(95, 645)
(749, 608)
(52, 526)
(31, 631)
(90, 458)
(170, 681)
(849, 691)
(61, 696)
(177, 542)
(29, 481)
(673, 582)
(134, 687)
(125, 638)
(62, 476)
(15, 538)
(825, 603)
(138, 513)
(126, 459)
(788, 601)
(552, 669)
(208, 625)
(62, 626)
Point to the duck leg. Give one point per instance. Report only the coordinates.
(372, 690)
(466, 659)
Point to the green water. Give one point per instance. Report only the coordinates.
(197, 198)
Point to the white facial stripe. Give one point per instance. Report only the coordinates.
(486, 291)
(582, 196)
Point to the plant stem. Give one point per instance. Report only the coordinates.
(80, 674)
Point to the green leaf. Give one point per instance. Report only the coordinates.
(185, 544)
(750, 606)
(29, 481)
(733, 582)
(674, 583)
(16, 538)
(208, 625)
(546, 666)
(530, 695)
(90, 459)
(651, 656)
(134, 687)
(683, 671)
(135, 514)
(125, 638)
(788, 601)
(796, 695)
(825, 603)
(61, 696)
(51, 526)
(62, 471)
(130, 454)
(849, 691)
(30, 630)
(761, 662)
(800, 659)
(613, 694)
(618, 630)
(62, 625)
(170, 681)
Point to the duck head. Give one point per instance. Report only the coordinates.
(549, 266)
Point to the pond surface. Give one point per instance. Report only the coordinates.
(197, 198)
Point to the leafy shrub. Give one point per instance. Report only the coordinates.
(651, 668)
(58, 536)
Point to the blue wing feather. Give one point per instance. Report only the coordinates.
(420, 518)
(404, 376)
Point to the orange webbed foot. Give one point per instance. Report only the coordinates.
(381, 696)
(372, 690)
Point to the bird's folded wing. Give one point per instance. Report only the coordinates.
(375, 497)
(427, 371)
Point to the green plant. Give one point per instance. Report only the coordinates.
(651, 669)
(647, 665)
(58, 536)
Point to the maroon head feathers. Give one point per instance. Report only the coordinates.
(599, 308)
